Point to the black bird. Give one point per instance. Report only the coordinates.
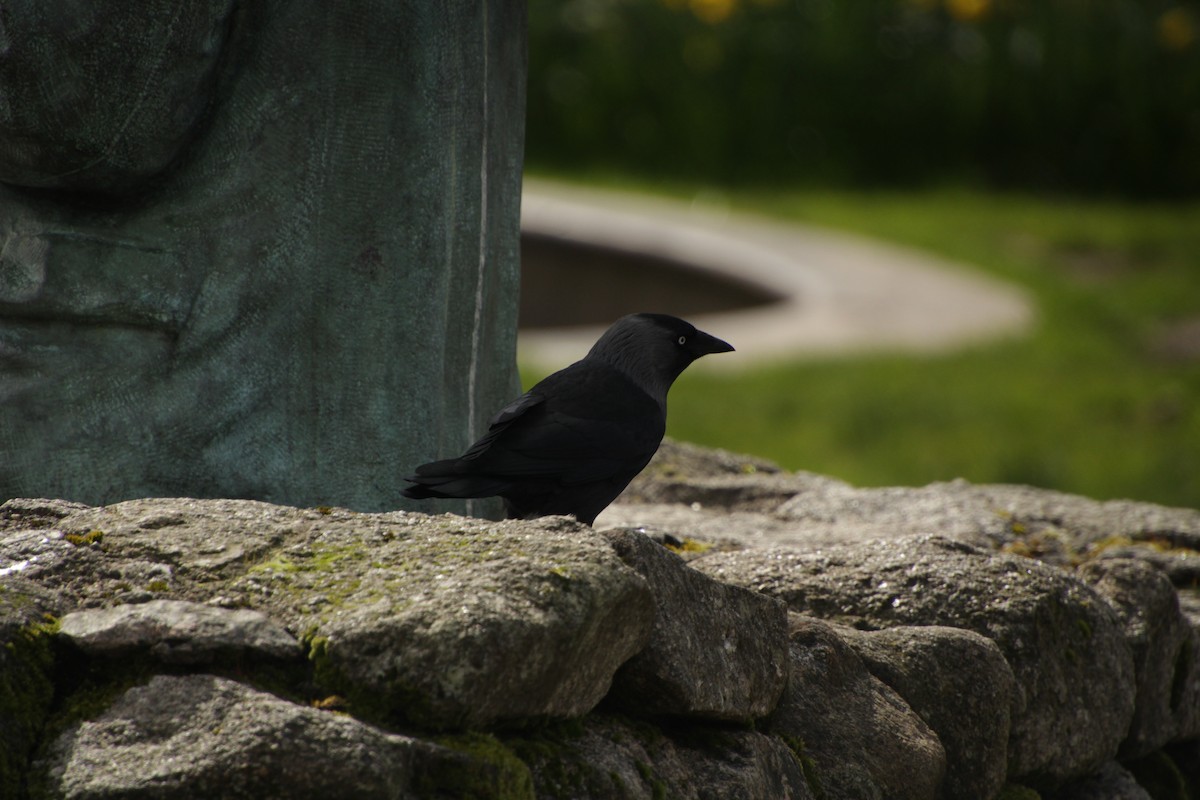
(574, 441)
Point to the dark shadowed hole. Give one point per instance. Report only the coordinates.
(565, 282)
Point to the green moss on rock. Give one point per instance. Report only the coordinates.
(93, 537)
(488, 770)
(549, 750)
(807, 765)
(26, 694)
(658, 788)
(1158, 774)
(400, 704)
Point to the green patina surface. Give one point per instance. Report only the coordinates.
(333, 246)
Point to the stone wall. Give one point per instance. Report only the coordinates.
(736, 632)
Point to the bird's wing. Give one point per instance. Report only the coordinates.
(582, 424)
(515, 409)
(500, 422)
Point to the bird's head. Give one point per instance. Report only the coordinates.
(653, 349)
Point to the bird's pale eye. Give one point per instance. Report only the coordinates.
(683, 340)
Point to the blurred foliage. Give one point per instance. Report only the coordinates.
(1093, 96)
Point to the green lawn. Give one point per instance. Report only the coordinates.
(1096, 400)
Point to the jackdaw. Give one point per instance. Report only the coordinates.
(574, 441)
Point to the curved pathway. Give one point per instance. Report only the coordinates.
(841, 294)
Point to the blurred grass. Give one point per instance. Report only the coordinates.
(1094, 401)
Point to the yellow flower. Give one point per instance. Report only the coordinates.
(712, 11)
(968, 10)
(1176, 29)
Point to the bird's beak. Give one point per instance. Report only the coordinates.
(706, 344)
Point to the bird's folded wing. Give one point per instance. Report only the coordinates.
(498, 424)
(515, 409)
(573, 450)
(581, 424)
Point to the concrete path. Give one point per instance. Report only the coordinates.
(841, 294)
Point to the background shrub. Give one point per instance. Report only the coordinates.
(1085, 96)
